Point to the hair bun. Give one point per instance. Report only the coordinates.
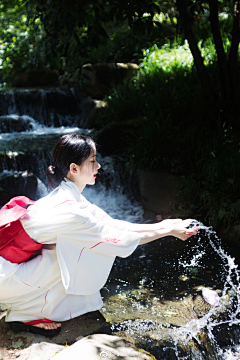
(54, 175)
(51, 170)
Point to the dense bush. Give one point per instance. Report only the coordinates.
(178, 131)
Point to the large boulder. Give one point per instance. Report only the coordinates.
(41, 76)
(97, 79)
(99, 346)
(90, 107)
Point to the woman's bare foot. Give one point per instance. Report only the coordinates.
(46, 326)
(49, 326)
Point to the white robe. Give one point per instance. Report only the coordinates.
(64, 282)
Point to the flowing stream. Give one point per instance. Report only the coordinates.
(155, 296)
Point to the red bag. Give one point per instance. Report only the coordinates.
(15, 244)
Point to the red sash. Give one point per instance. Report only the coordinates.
(15, 244)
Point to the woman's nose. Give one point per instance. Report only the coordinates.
(98, 166)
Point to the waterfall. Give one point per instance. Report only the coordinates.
(50, 107)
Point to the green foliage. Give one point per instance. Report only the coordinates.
(64, 35)
(19, 45)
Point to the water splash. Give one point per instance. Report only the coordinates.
(172, 320)
(228, 307)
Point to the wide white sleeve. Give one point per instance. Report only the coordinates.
(86, 253)
(86, 245)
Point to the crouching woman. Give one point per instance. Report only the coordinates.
(78, 245)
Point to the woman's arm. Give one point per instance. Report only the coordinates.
(152, 227)
(177, 228)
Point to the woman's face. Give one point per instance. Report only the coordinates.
(86, 173)
(89, 169)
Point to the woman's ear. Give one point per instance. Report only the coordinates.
(73, 168)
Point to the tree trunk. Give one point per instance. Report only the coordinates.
(222, 59)
(204, 77)
(233, 54)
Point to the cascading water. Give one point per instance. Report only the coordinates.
(155, 296)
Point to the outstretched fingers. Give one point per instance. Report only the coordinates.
(192, 231)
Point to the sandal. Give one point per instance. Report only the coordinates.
(18, 326)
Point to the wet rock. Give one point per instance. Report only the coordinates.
(50, 107)
(99, 346)
(41, 76)
(35, 162)
(89, 110)
(168, 329)
(16, 184)
(200, 306)
(158, 190)
(163, 342)
(97, 79)
(174, 313)
(11, 123)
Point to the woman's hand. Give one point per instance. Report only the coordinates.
(168, 227)
(180, 231)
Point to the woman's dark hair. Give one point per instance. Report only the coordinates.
(71, 148)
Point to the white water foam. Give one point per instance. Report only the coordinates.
(231, 285)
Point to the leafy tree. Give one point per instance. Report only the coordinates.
(73, 27)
